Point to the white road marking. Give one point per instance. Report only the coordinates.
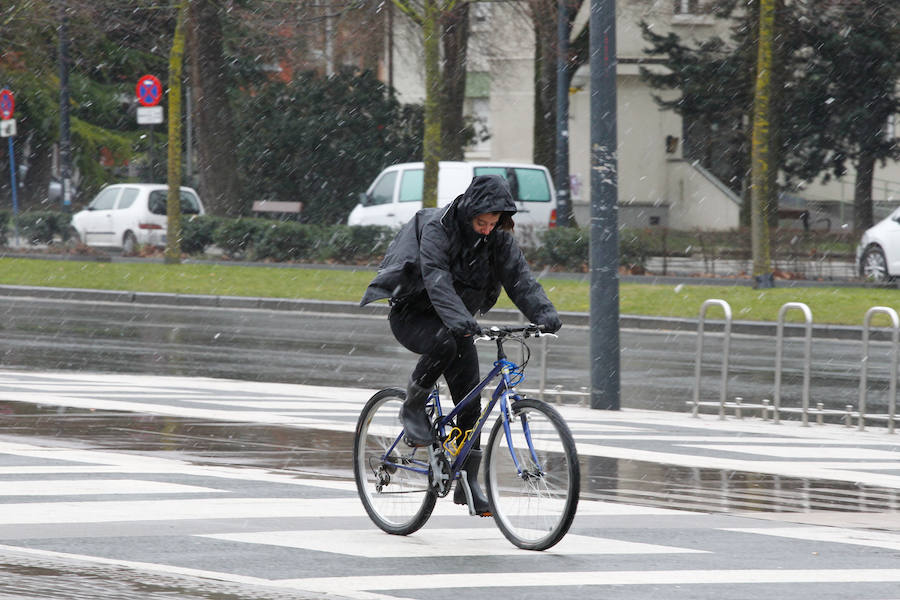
(81, 487)
(798, 451)
(856, 537)
(366, 587)
(30, 513)
(429, 542)
(347, 586)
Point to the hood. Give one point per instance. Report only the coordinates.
(486, 193)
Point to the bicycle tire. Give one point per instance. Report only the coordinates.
(398, 500)
(533, 511)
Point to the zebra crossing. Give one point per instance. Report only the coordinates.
(659, 516)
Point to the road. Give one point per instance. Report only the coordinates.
(137, 486)
(150, 451)
(320, 346)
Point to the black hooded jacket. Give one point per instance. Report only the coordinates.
(438, 259)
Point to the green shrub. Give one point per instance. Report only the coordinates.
(346, 244)
(564, 247)
(41, 227)
(287, 240)
(236, 237)
(634, 249)
(197, 233)
(4, 222)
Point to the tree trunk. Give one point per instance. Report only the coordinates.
(761, 191)
(456, 40)
(173, 202)
(544, 133)
(862, 192)
(431, 144)
(214, 122)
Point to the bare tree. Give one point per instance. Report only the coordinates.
(427, 16)
(216, 158)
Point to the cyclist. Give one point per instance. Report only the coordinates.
(444, 266)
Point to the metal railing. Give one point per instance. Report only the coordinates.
(807, 354)
(864, 371)
(725, 350)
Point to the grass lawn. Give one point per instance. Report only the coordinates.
(828, 305)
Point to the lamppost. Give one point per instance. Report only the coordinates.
(604, 294)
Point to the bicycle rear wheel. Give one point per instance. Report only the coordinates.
(391, 477)
(534, 503)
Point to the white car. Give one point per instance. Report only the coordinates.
(128, 215)
(396, 194)
(878, 253)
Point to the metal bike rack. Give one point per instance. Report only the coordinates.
(863, 376)
(725, 344)
(807, 354)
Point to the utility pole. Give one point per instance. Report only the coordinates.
(65, 146)
(563, 199)
(604, 293)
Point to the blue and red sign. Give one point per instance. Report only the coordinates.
(149, 90)
(7, 104)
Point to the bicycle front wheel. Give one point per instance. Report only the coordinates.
(391, 477)
(533, 479)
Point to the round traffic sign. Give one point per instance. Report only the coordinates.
(7, 104)
(149, 90)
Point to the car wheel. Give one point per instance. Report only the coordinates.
(129, 243)
(873, 266)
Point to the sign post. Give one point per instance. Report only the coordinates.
(8, 130)
(149, 92)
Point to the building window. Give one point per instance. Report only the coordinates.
(654, 221)
(687, 7)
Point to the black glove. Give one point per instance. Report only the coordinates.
(550, 323)
(466, 329)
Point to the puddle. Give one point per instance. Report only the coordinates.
(325, 453)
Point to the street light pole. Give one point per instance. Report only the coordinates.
(604, 293)
(563, 199)
(65, 147)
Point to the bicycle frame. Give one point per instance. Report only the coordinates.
(502, 393)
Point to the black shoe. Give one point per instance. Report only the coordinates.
(413, 417)
(480, 503)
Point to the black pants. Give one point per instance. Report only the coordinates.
(421, 331)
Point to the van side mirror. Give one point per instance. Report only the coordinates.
(364, 199)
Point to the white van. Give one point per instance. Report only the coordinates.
(396, 194)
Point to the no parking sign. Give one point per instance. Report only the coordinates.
(7, 104)
(149, 90)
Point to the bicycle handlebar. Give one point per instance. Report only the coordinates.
(495, 332)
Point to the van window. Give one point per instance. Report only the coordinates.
(105, 200)
(411, 185)
(127, 199)
(157, 203)
(383, 192)
(533, 186)
(529, 185)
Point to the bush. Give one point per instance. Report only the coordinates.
(4, 221)
(287, 240)
(197, 233)
(346, 244)
(41, 227)
(565, 247)
(236, 237)
(634, 249)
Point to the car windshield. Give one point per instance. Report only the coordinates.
(158, 198)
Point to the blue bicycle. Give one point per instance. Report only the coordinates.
(532, 476)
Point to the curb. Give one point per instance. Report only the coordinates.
(760, 328)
